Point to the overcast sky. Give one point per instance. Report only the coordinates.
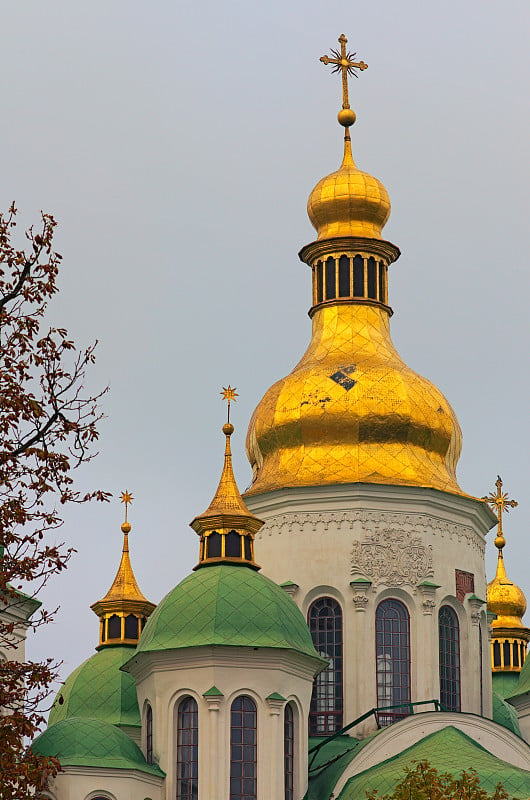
(176, 144)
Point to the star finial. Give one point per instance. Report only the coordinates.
(127, 498)
(229, 394)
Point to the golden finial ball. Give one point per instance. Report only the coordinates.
(346, 117)
(126, 527)
(228, 429)
(500, 541)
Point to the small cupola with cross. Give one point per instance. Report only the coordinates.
(124, 610)
(227, 528)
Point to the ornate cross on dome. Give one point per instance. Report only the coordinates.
(344, 63)
(500, 502)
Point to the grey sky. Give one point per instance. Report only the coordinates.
(177, 144)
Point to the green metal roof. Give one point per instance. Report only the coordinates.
(100, 690)
(504, 714)
(79, 742)
(523, 685)
(330, 762)
(227, 605)
(505, 683)
(449, 750)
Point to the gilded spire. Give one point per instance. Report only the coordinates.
(124, 609)
(227, 527)
(505, 599)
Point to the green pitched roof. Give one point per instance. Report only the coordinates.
(227, 605)
(449, 750)
(505, 683)
(79, 742)
(100, 690)
(504, 714)
(330, 762)
(523, 685)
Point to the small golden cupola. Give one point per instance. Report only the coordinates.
(124, 610)
(506, 600)
(351, 411)
(227, 528)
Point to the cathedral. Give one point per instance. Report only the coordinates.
(337, 626)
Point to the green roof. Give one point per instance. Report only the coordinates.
(449, 750)
(79, 742)
(100, 690)
(523, 684)
(505, 683)
(330, 762)
(227, 605)
(504, 714)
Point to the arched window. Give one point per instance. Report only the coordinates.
(187, 750)
(243, 755)
(325, 624)
(233, 545)
(344, 276)
(114, 627)
(149, 735)
(449, 636)
(288, 750)
(214, 545)
(392, 625)
(131, 627)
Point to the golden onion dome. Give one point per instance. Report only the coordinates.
(352, 411)
(505, 598)
(348, 202)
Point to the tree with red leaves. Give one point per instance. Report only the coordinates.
(48, 426)
(424, 782)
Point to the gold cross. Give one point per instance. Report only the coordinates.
(126, 498)
(499, 501)
(229, 394)
(344, 62)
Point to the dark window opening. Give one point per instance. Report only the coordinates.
(325, 624)
(371, 279)
(506, 654)
(103, 627)
(114, 629)
(142, 626)
(233, 545)
(330, 279)
(214, 545)
(392, 659)
(248, 550)
(449, 649)
(149, 735)
(496, 654)
(288, 751)
(344, 276)
(320, 282)
(131, 627)
(358, 276)
(243, 741)
(381, 282)
(515, 654)
(188, 750)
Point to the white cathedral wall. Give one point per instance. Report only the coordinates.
(87, 783)
(163, 679)
(323, 538)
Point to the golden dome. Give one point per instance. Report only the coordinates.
(352, 411)
(505, 598)
(348, 202)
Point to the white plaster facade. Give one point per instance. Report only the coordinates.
(362, 543)
(164, 678)
(89, 783)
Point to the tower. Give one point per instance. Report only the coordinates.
(354, 472)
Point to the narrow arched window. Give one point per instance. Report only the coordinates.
(187, 750)
(449, 638)
(243, 749)
(233, 545)
(358, 276)
(344, 276)
(114, 627)
(371, 278)
(320, 282)
(325, 624)
(149, 735)
(214, 545)
(288, 750)
(131, 627)
(392, 624)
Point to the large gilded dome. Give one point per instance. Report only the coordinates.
(352, 411)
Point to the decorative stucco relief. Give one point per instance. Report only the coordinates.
(393, 558)
(372, 523)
